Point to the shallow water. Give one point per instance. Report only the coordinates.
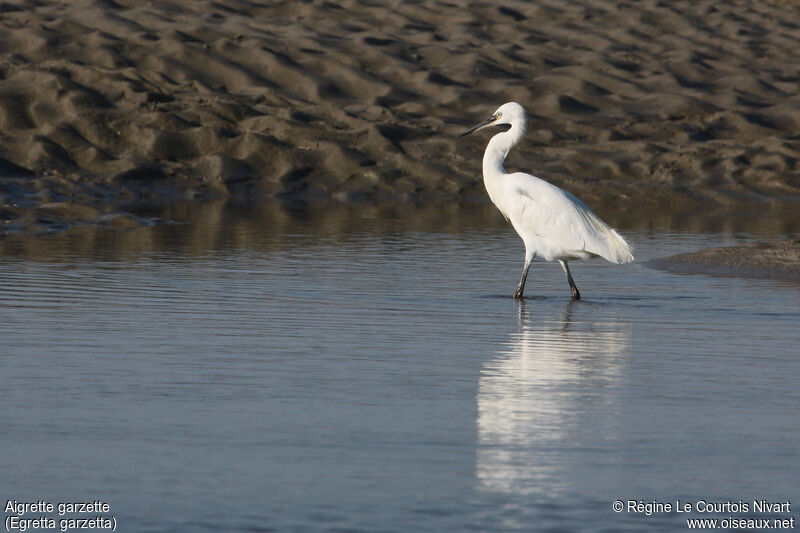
(365, 370)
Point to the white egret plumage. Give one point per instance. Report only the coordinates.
(553, 224)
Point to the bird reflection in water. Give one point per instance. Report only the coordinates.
(547, 396)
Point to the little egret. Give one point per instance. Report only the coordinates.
(553, 224)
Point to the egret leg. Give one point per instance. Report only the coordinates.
(574, 288)
(521, 286)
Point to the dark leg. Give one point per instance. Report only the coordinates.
(574, 288)
(521, 286)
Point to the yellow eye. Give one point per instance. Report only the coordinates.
(498, 115)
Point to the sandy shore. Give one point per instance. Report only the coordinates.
(780, 260)
(646, 104)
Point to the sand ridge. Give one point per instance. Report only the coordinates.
(646, 102)
(769, 260)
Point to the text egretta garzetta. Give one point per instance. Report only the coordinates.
(553, 224)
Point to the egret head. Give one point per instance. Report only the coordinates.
(510, 113)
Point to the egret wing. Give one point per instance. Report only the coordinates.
(561, 223)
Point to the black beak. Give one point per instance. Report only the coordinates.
(476, 127)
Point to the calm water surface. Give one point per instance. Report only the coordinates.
(365, 370)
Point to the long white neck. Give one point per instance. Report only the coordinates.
(498, 148)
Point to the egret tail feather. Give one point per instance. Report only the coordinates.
(609, 245)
